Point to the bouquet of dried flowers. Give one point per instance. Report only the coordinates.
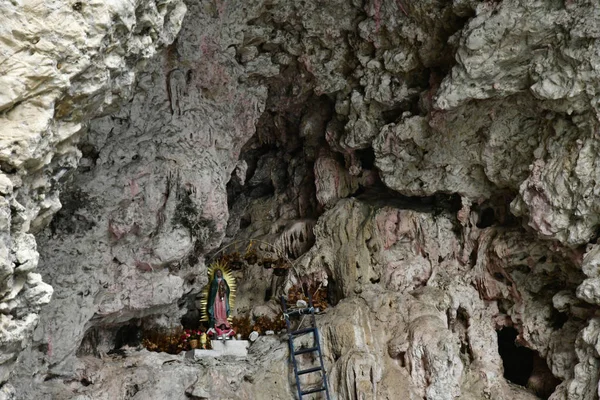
(264, 323)
(319, 295)
(194, 338)
(167, 341)
(242, 325)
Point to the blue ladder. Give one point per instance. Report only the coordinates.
(310, 310)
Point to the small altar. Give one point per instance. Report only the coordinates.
(236, 348)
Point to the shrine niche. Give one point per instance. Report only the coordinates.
(218, 301)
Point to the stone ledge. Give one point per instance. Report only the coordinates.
(237, 348)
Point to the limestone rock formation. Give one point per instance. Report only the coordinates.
(130, 238)
(62, 64)
(556, 67)
(430, 165)
(143, 374)
(410, 304)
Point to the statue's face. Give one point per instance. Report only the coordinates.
(219, 273)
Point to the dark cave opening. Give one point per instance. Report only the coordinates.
(191, 319)
(129, 335)
(525, 367)
(487, 218)
(109, 338)
(558, 319)
(516, 360)
(367, 158)
(334, 292)
(245, 221)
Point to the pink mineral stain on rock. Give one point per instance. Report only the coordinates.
(387, 223)
(377, 7)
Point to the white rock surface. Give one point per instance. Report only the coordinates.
(221, 348)
(556, 65)
(62, 64)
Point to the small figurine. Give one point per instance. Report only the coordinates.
(203, 341)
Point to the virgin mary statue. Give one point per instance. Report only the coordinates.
(219, 297)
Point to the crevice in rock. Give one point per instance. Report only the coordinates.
(366, 157)
(89, 157)
(558, 319)
(334, 292)
(381, 196)
(132, 390)
(129, 335)
(268, 294)
(523, 366)
(68, 220)
(486, 218)
(516, 360)
(85, 382)
(496, 211)
(6, 167)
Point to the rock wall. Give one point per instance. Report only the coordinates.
(430, 164)
(62, 64)
(422, 321)
(148, 202)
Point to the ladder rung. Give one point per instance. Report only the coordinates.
(306, 350)
(299, 311)
(308, 371)
(315, 390)
(303, 331)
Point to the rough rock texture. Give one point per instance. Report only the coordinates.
(431, 165)
(556, 65)
(420, 320)
(149, 200)
(144, 375)
(62, 64)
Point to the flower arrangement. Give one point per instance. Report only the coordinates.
(242, 325)
(253, 255)
(194, 338)
(319, 295)
(165, 341)
(280, 267)
(175, 340)
(233, 260)
(190, 334)
(264, 323)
